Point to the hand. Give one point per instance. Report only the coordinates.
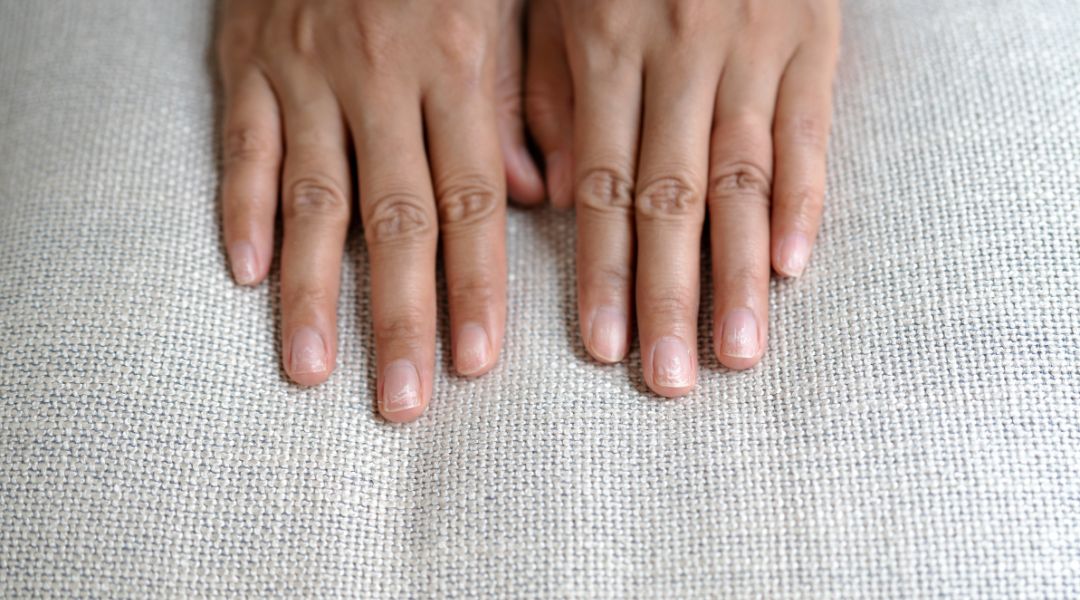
(646, 111)
(305, 80)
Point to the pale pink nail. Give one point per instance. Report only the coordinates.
(242, 258)
(607, 337)
(308, 352)
(473, 350)
(401, 387)
(794, 254)
(671, 363)
(739, 336)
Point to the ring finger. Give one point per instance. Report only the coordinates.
(670, 211)
(740, 179)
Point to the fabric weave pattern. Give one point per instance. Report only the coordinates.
(913, 429)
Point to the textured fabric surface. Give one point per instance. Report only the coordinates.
(912, 431)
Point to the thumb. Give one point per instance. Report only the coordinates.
(523, 180)
(549, 101)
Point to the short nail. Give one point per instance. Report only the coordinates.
(401, 387)
(671, 363)
(739, 337)
(794, 254)
(242, 258)
(308, 352)
(473, 351)
(607, 336)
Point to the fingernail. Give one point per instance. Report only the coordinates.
(739, 337)
(794, 254)
(242, 258)
(671, 363)
(607, 336)
(473, 351)
(401, 387)
(308, 352)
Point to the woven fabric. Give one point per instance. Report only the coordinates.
(912, 431)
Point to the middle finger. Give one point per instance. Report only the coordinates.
(670, 212)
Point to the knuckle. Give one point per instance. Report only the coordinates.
(606, 22)
(398, 217)
(302, 32)
(541, 105)
(610, 277)
(248, 145)
(806, 131)
(602, 41)
(306, 297)
(316, 196)
(753, 13)
(740, 181)
(742, 280)
(670, 305)
(471, 201)
(474, 290)
(605, 55)
(508, 95)
(684, 17)
(462, 45)
(370, 38)
(402, 328)
(605, 190)
(670, 197)
(804, 201)
(538, 103)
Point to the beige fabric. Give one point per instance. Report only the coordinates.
(913, 430)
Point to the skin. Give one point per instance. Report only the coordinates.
(416, 91)
(652, 114)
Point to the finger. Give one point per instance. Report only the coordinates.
(801, 135)
(252, 163)
(740, 175)
(470, 196)
(315, 210)
(549, 101)
(400, 229)
(670, 212)
(607, 117)
(523, 178)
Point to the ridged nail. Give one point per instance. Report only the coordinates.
(671, 363)
(739, 336)
(308, 352)
(242, 258)
(401, 387)
(607, 336)
(472, 353)
(794, 253)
